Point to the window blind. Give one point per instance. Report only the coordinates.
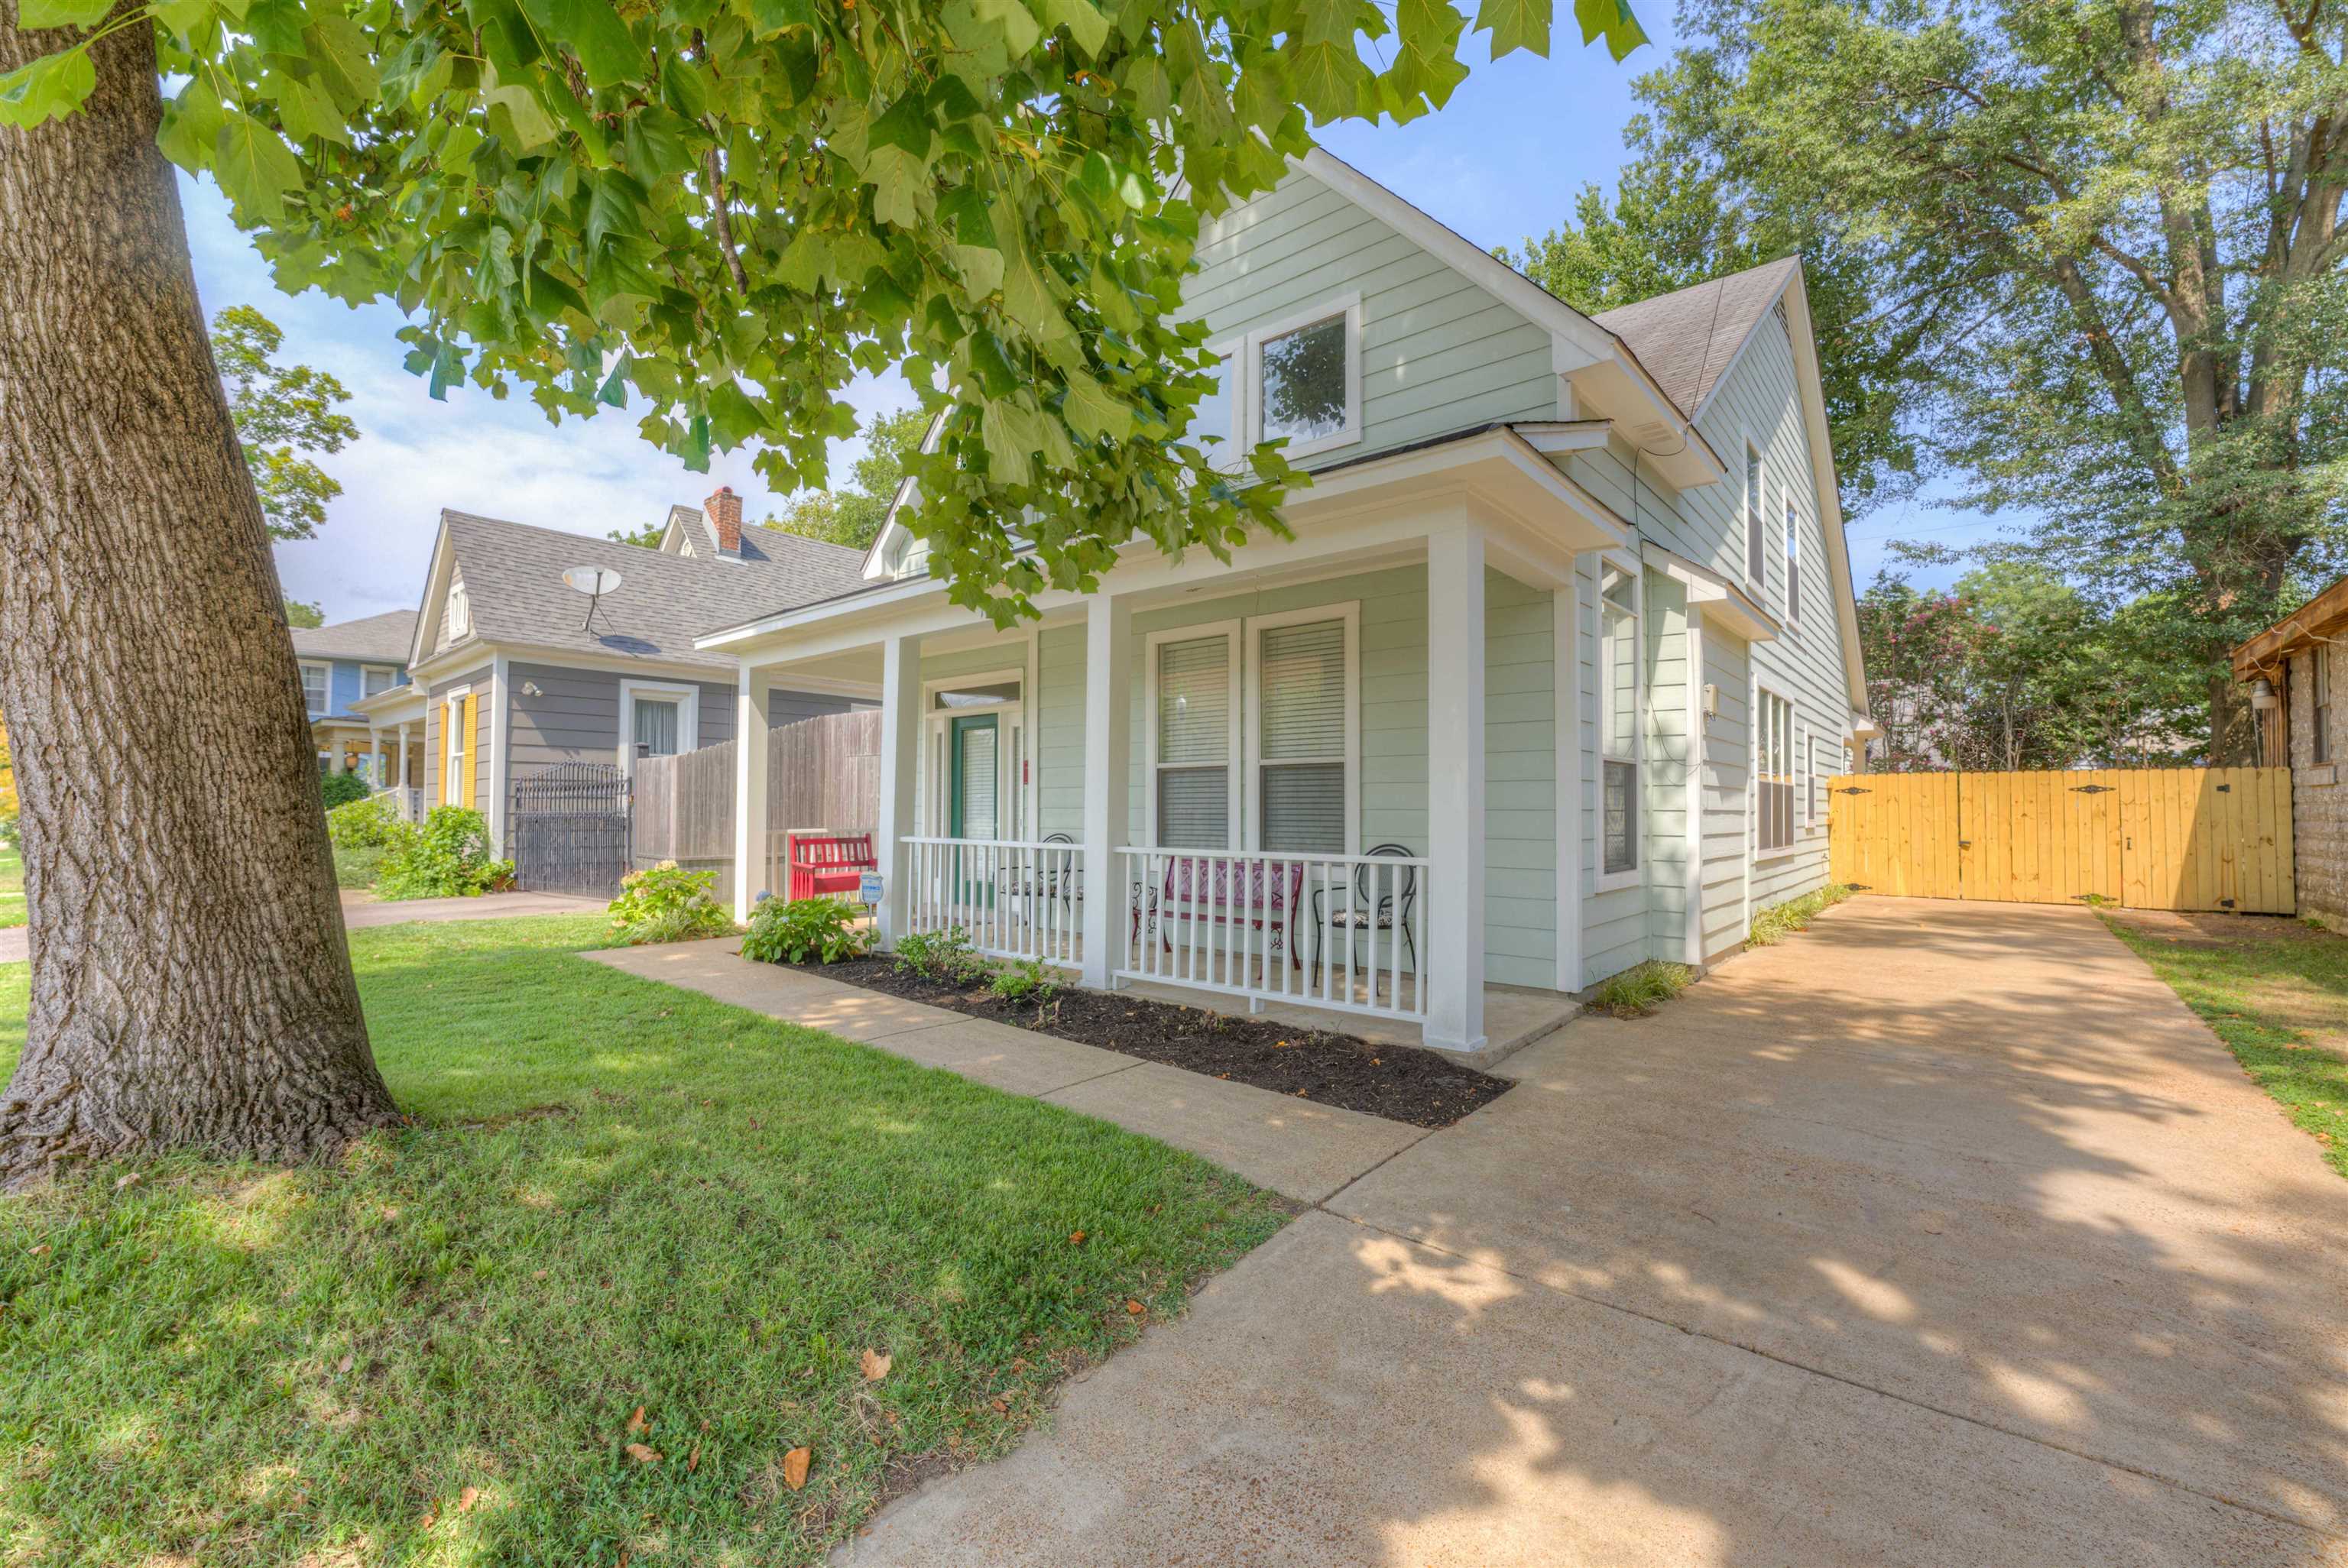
(1194, 743)
(1301, 737)
(1773, 798)
(978, 782)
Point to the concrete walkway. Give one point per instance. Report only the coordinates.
(365, 909)
(1298, 1149)
(1940, 1235)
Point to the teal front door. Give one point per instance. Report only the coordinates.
(972, 798)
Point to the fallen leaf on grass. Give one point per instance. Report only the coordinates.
(795, 1468)
(1001, 1406)
(467, 1497)
(1075, 1238)
(134, 1178)
(642, 1454)
(1134, 1308)
(348, 1360)
(637, 1425)
(693, 1460)
(876, 1366)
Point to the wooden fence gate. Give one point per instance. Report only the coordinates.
(2145, 838)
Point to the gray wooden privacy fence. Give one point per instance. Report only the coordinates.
(823, 775)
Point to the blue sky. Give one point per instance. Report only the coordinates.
(1503, 161)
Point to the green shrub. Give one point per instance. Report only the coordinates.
(1026, 981)
(446, 858)
(364, 824)
(805, 931)
(341, 789)
(1641, 988)
(942, 957)
(669, 904)
(357, 868)
(1779, 921)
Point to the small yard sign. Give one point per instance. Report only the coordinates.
(868, 888)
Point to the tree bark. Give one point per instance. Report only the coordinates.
(191, 986)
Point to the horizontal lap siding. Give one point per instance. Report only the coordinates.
(1060, 730)
(1665, 768)
(1438, 353)
(1727, 755)
(574, 715)
(434, 749)
(1519, 783)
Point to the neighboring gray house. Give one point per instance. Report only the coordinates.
(511, 678)
(1547, 681)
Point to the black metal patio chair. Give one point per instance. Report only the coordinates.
(1389, 910)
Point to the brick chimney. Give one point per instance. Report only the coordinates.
(724, 512)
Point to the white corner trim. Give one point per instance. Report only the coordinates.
(500, 755)
(1693, 936)
(1565, 652)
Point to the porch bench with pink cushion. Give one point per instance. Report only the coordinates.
(1202, 890)
(829, 864)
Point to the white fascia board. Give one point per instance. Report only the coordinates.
(1717, 599)
(393, 706)
(435, 596)
(1812, 393)
(471, 652)
(907, 490)
(1550, 437)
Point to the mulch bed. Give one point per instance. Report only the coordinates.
(1400, 1082)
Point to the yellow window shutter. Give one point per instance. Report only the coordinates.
(471, 782)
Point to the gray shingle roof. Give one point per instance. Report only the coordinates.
(827, 569)
(514, 587)
(1686, 338)
(385, 636)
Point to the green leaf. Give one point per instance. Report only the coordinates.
(1094, 412)
(531, 128)
(906, 126)
(1011, 21)
(771, 16)
(448, 370)
(1009, 432)
(1516, 25)
(615, 391)
(607, 52)
(1027, 300)
(1611, 20)
(1087, 27)
(253, 167)
(50, 88)
(34, 14)
(191, 124)
(899, 180)
(340, 46)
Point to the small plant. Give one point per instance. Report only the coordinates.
(447, 856)
(1028, 981)
(942, 957)
(805, 931)
(364, 824)
(667, 903)
(341, 789)
(1779, 921)
(1641, 988)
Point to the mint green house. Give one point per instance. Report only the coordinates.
(1547, 683)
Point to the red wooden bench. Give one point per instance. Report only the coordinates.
(829, 864)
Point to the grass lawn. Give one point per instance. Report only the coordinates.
(12, 888)
(615, 1194)
(2276, 991)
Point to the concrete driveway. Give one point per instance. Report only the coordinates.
(1942, 1234)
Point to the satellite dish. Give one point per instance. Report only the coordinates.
(594, 582)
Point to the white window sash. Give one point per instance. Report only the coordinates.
(687, 699)
(1245, 353)
(1350, 613)
(1154, 767)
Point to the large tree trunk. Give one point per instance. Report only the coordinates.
(192, 988)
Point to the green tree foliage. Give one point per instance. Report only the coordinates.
(1673, 222)
(852, 516)
(302, 613)
(648, 537)
(2017, 670)
(283, 412)
(717, 212)
(2110, 229)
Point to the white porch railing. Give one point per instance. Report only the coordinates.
(1338, 932)
(1017, 898)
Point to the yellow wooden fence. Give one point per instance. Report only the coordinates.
(2146, 838)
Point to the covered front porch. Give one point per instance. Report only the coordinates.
(1342, 773)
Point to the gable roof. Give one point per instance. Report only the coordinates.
(827, 567)
(515, 592)
(1687, 339)
(386, 635)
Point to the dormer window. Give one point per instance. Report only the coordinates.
(1300, 381)
(457, 616)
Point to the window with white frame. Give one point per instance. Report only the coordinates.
(1792, 565)
(457, 615)
(313, 689)
(1299, 380)
(1301, 735)
(1194, 684)
(1755, 530)
(1617, 719)
(458, 745)
(377, 678)
(658, 720)
(1772, 793)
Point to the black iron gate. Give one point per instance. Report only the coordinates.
(570, 830)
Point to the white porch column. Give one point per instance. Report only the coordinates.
(900, 754)
(403, 756)
(749, 791)
(1455, 789)
(375, 756)
(1109, 780)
